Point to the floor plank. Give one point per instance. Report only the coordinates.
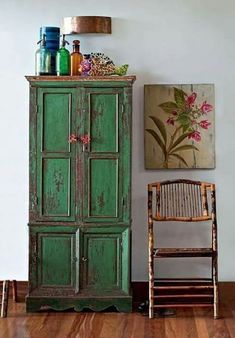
(187, 323)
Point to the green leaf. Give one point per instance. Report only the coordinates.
(186, 127)
(158, 139)
(179, 96)
(183, 119)
(160, 126)
(180, 158)
(185, 147)
(179, 140)
(168, 107)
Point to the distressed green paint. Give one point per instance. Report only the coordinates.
(104, 162)
(56, 187)
(80, 190)
(56, 260)
(56, 122)
(104, 122)
(56, 157)
(106, 259)
(103, 187)
(121, 303)
(102, 266)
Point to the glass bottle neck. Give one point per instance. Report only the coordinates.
(76, 49)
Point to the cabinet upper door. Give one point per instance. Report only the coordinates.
(106, 156)
(56, 157)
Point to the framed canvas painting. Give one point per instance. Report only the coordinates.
(179, 126)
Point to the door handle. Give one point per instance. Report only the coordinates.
(72, 138)
(84, 259)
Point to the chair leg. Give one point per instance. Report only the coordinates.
(14, 291)
(151, 272)
(215, 284)
(5, 293)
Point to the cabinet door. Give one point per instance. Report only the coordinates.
(54, 260)
(105, 260)
(107, 156)
(56, 157)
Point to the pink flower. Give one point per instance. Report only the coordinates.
(191, 99)
(205, 124)
(206, 107)
(171, 121)
(195, 135)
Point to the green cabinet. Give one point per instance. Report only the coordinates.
(80, 179)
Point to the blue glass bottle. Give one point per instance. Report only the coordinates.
(43, 59)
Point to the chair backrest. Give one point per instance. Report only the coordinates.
(181, 200)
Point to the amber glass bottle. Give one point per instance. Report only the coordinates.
(76, 59)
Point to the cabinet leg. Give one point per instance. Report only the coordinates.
(5, 293)
(14, 291)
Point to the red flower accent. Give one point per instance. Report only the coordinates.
(205, 124)
(191, 99)
(195, 135)
(174, 113)
(170, 120)
(85, 139)
(206, 107)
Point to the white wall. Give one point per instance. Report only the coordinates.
(170, 41)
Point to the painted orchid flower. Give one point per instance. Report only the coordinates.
(195, 135)
(170, 121)
(205, 124)
(191, 99)
(206, 107)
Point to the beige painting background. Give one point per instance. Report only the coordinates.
(157, 94)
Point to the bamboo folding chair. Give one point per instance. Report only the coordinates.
(182, 201)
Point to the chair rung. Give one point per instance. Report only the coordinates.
(183, 287)
(183, 252)
(185, 296)
(183, 305)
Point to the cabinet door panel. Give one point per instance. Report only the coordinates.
(104, 121)
(56, 187)
(56, 157)
(103, 188)
(54, 259)
(103, 166)
(105, 254)
(56, 122)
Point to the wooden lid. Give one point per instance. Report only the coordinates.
(86, 24)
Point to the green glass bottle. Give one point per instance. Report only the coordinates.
(43, 59)
(63, 59)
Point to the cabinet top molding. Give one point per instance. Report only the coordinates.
(130, 78)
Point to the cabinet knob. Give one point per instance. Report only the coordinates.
(85, 139)
(73, 138)
(84, 259)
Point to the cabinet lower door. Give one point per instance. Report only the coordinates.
(54, 263)
(105, 260)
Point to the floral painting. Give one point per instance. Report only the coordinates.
(179, 126)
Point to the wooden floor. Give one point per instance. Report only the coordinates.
(190, 323)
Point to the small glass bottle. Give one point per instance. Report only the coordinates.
(63, 59)
(76, 59)
(43, 59)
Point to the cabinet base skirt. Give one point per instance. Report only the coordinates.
(122, 304)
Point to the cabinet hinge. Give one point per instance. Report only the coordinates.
(122, 108)
(36, 108)
(35, 200)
